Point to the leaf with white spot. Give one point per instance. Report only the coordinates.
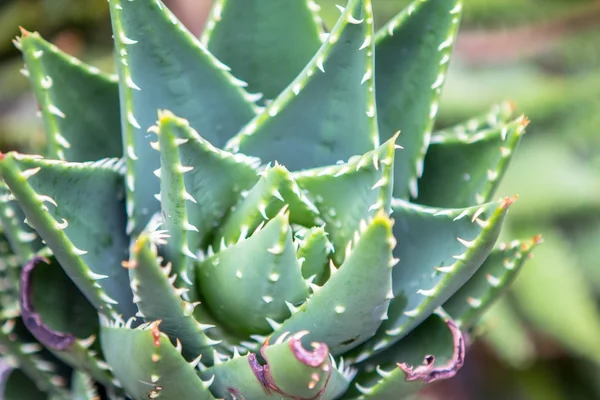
(62, 201)
(148, 365)
(79, 104)
(254, 50)
(462, 170)
(161, 65)
(412, 53)
(314, 251)
(347, 193)
(251, 281)
(438, 251)
(349, 308)
(328, 112)
(491, 280)
(275, 191)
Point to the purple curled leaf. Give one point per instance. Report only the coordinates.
(427, 372)
(311, 358)
(48, 337)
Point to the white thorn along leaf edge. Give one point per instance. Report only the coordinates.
(492, 280)
(473, 302)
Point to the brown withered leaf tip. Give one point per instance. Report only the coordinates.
(427, 372)
(318, 357)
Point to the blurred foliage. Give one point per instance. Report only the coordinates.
(541, 341)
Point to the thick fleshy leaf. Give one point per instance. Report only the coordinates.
(462, 170)
(147, 365)
(161, 65)
(24, 241)
(490, 281)
(60, 317)
(498, 115)
(82, 387)
(19, 346)
(79, 104)
(246, 286)
(173, 197)
(314, 251)
(349, 308)
(348, 193)
(287, 371)
(275, 190)
(16, 385)
(412, 53)
(61, 201)
(540, 294)
(148, 278)
(213, 179)
(506, 334)
(438, 251)
(433, 351)
(254, 50)
(328, 112)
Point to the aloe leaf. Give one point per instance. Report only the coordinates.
(350, 307)
(506, 334)
(24, 241)
(60, 317)
(147, 365)
(89, 249)
(9, 281)
(79, 104)
(554, 297)
(424, 280)
(83, 387)
(328, 112)
(498, 115)
(314, 250)
(154, 55)
(348, 193)
(287, 371)
(252, 51)
(433, 351)
(213, 180)
(490, 281)
(246, 286)
(461, 170)
(17, 386)
(275, 190)
(412, 56)
(24, 352)
(148, 277)
(173, 200)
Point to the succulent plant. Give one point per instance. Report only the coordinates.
(183, 237)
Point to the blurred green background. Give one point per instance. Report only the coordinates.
(542, 341)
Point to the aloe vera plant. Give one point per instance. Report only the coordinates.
(185, 237)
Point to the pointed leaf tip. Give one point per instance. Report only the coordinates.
(508, 201)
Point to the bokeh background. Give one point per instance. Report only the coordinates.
(542, 340)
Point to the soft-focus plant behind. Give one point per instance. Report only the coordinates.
(542, 340)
